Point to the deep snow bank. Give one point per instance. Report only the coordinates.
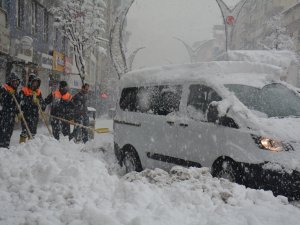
(45, 182)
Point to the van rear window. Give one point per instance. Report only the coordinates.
(157, 100)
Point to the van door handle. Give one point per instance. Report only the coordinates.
(171, 123)
(183, 125)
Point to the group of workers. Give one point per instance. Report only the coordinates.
(28, 105)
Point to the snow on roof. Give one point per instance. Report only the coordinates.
(250, 73)
(282, 59)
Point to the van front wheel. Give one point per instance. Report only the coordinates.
(227, 169)
(131, 162)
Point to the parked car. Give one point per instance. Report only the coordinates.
(236, 118)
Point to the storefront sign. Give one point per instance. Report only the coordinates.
(58, 61)
(74, 81)
(24, 49)
(47, 61)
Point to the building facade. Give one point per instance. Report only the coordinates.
(251, 25)
(34, 44)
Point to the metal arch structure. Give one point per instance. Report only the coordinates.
(192, 52)
(132, 57)
(226, 11)
(117, 52)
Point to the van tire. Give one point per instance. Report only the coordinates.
(228, 169)
(131, 161)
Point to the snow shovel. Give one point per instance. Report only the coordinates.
(97, 130)
(22, 116)
(43, 117)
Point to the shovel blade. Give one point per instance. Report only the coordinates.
(101, 130)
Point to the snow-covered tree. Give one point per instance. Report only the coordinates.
(277, 38)
(82, 22)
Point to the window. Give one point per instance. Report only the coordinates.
(128, 99)
(157, 100)
(34, 17)
(20, 13)
(199, 99)
(1, 3)
(46, 26)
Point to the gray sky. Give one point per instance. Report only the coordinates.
(154, 23)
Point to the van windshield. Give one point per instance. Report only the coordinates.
(273, 100)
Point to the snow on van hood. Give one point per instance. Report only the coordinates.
(285, 129)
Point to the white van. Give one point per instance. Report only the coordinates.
(237, 118)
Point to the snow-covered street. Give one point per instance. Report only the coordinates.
(47, 182)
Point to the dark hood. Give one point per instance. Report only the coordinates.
(12, 77)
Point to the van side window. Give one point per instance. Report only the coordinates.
(199, 99)
(168, 101)
(128, 99)
(157, 100)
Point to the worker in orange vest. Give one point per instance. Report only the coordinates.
(61, 106)
(8, 109)
(30, 98)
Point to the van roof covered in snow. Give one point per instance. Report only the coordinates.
(254, 74)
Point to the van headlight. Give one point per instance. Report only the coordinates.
(271, 144)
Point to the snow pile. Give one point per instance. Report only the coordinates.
(287, 60)
(282, 59)
(46, 182)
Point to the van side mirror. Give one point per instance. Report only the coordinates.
(213, 117)
(227, 122)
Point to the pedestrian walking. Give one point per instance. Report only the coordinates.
(62, 107)
(81, 113)
(30, 98)
(9, 109)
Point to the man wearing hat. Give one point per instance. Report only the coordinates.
(62, 107)
(30, 100)
(9, 109)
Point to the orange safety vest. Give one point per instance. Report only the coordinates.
(28, 92)
(66, 97)
(7, 87)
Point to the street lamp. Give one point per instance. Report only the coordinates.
(230, 17)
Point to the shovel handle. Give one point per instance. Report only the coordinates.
(22, 116)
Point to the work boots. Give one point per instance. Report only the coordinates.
(22, 139)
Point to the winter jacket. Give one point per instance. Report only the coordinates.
(61, 105)
(80, 104)
(8, 105)
(28, 107)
